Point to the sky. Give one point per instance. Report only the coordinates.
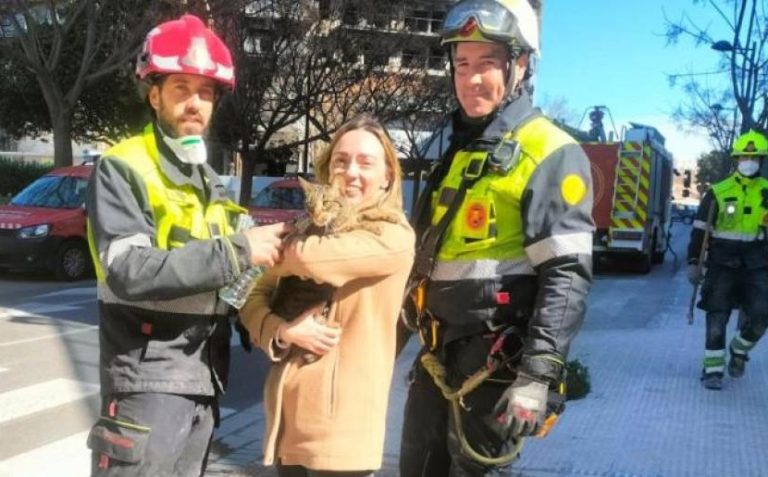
(614, 53)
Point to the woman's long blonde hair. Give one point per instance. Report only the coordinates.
(393, 197)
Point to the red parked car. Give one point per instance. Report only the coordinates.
(280, 201)
(43, 227)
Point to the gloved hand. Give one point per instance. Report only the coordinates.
(521, 409)
(693, 274)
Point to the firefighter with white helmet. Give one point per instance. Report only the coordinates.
(162, 236)
(503, 262)
(737, 259)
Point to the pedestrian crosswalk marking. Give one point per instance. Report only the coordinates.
(64, 327)
(45, 337)
(89, 291)
(39, 397)
(43, 308)
(68, 457)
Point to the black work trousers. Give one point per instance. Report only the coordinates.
(727, 288)
(429, 444)
(152, 434)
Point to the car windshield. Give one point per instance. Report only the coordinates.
(58, 192)
(279, 198)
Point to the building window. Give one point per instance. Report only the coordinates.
(255, 45)
(350, 55)
(436, 59)
(425, 21)
(325, 9)
(413, 59)
(383, 15)
(349, 17)
(376, 57)
(437, 21)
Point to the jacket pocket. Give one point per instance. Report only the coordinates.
(120, 441)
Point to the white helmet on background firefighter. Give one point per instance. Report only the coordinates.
(185, 46)
(513, 23)
(749, 150)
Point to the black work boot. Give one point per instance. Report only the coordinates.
(712, 380)
(736, 364)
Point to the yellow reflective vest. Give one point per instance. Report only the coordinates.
(178, 211)
(742, 208)
(489, 224)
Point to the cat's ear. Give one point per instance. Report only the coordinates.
(305, 184)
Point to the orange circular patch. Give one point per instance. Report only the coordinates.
(476, 216)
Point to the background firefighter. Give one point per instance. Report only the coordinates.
(161, 234)
(737, 259)
(503, 258)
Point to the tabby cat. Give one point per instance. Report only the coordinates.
(328, 212)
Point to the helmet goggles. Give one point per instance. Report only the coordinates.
(493, 20)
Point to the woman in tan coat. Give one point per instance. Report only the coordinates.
(327, 418)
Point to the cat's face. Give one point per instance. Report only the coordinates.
(323, 202)
(358, 160)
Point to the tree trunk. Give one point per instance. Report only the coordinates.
(246, 181)
(217, 157)
(62, 139)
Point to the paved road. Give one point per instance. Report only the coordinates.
(49, 375)
(647, 415)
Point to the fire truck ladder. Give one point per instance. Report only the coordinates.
(627, 185)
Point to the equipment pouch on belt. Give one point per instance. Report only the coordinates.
(120, 441)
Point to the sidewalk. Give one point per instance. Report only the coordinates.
(647, 414)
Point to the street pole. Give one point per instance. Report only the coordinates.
(305, 165)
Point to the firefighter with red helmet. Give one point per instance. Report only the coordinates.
(503, 261)
(164, 238)
(737, 259)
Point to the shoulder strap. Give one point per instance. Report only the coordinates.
(433, 236)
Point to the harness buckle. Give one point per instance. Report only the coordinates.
(502, 351)
(429, 331)
(475, 165)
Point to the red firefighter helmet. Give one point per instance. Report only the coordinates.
(186, 46)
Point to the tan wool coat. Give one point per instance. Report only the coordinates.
(330, 414)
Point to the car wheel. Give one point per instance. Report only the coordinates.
(72, 262)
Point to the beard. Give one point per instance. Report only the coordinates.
(173, 127)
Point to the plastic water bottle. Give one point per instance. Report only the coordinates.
(237, 292)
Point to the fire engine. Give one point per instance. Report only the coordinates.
(632, 177)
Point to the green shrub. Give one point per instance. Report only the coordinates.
(577, 381)
(15, 175)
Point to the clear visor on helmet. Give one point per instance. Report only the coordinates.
(493, 20)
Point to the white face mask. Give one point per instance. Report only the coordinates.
(189, 149)
(748, 167)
